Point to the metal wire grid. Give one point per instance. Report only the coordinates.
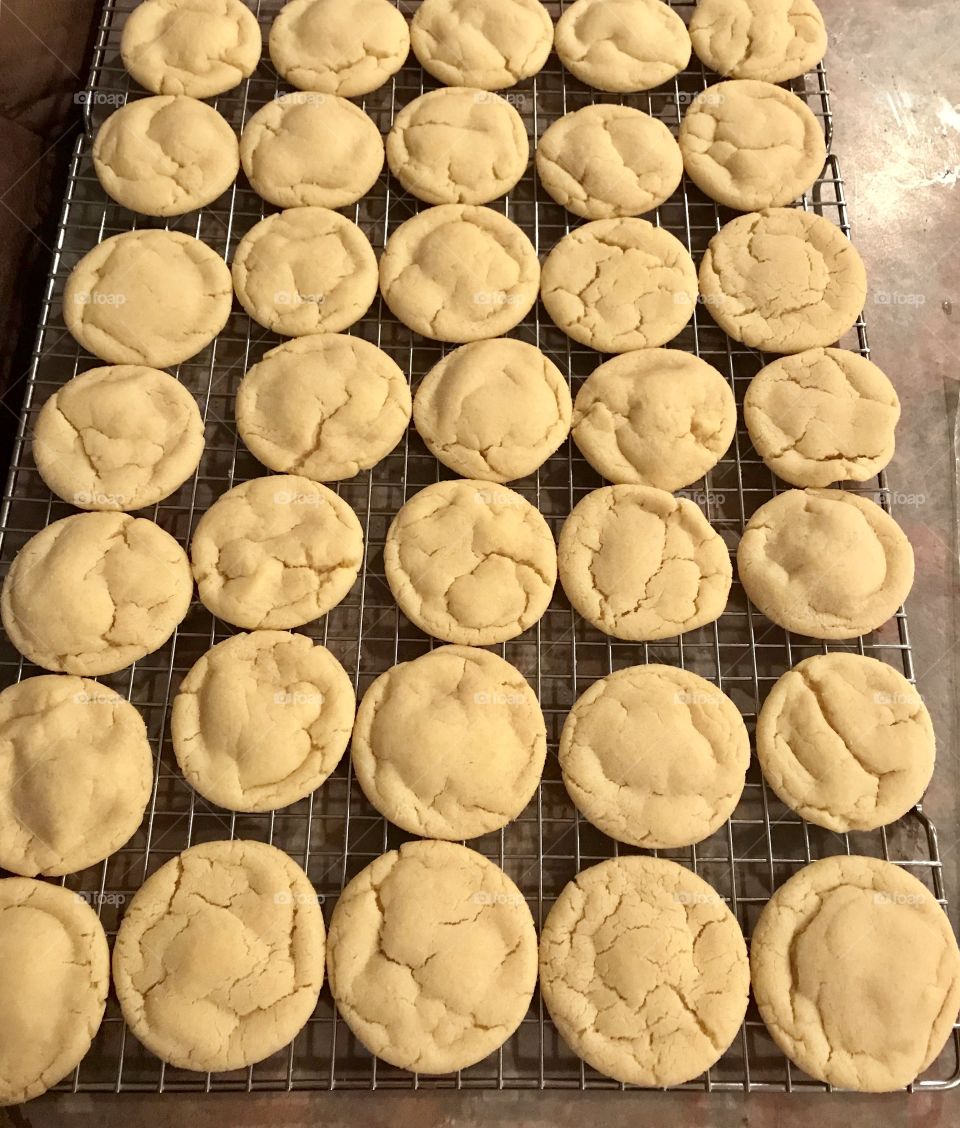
(334, 833)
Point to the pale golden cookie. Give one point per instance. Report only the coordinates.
(450, 745)
(619, 284)
(640, 564)
(856, 972)
(219, 959)
(655, 417)
(94, 592)
(825, 563)
(470, 562)
(326, 406)
(644, 971)
(276, 552)
(768, 39)
(493, 409)
(822, 416)
(432, 957)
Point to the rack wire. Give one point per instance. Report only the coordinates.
(334, 833)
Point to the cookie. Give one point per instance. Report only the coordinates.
(619, 284)
(218, 962)
(822, 416)
(458, 145)
(643, 969)
(76, 774)
(622, 45)
(165, 155)
(783, 280)
(94, 592)
(345, 47)
(276, 552)
(147, 297)
(325, 406)
(655, 756)
(856, 972)
(470, 562)
(751, 145)
(54, 977)
(432, 957)
(773, 40)
(194, 47)
(640, 564)
(305, 149)
(459, 273)
(121, 437)
(606, 161)
(490, 46)
(825, 563)
(494, 410)
(450, 745)
(654, 417)
(261, 720)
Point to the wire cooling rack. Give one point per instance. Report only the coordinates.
(334, 833)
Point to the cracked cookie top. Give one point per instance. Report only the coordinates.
(470, 562)
(641, 564)
(53, 990)
(825, 563)
(94, 592)
(493, 409)
(783, 280)
(325, 406)
(276, 552)
(773, 40)
(619, 284)
(856, 972)
(432, 957)
(218, 962)
(450, 745)
(643, 969)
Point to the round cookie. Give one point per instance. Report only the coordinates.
(825, 563)
(432, 957)
(822, 416)
(261, 720)
(655, 756)
(491, 45)
(305, 270)
(54, 978)
(450, 745)
(94, 592)
(644, 971)
(783, 280)
(345, 47)
(165, 155)
(856, 972)
(325, 406)
(301, 150)
(622, 45)
(147, 297)
(641, 564)
(218, 962)
(121, 437)
(276, 552)
(846, 741)
(76, 774)
(459, 273)
(654, 417)
(194, 47)
(494, 410)
(470, 562)
(458, 145)
(605, 161)
(774, 40)
(619, 284)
